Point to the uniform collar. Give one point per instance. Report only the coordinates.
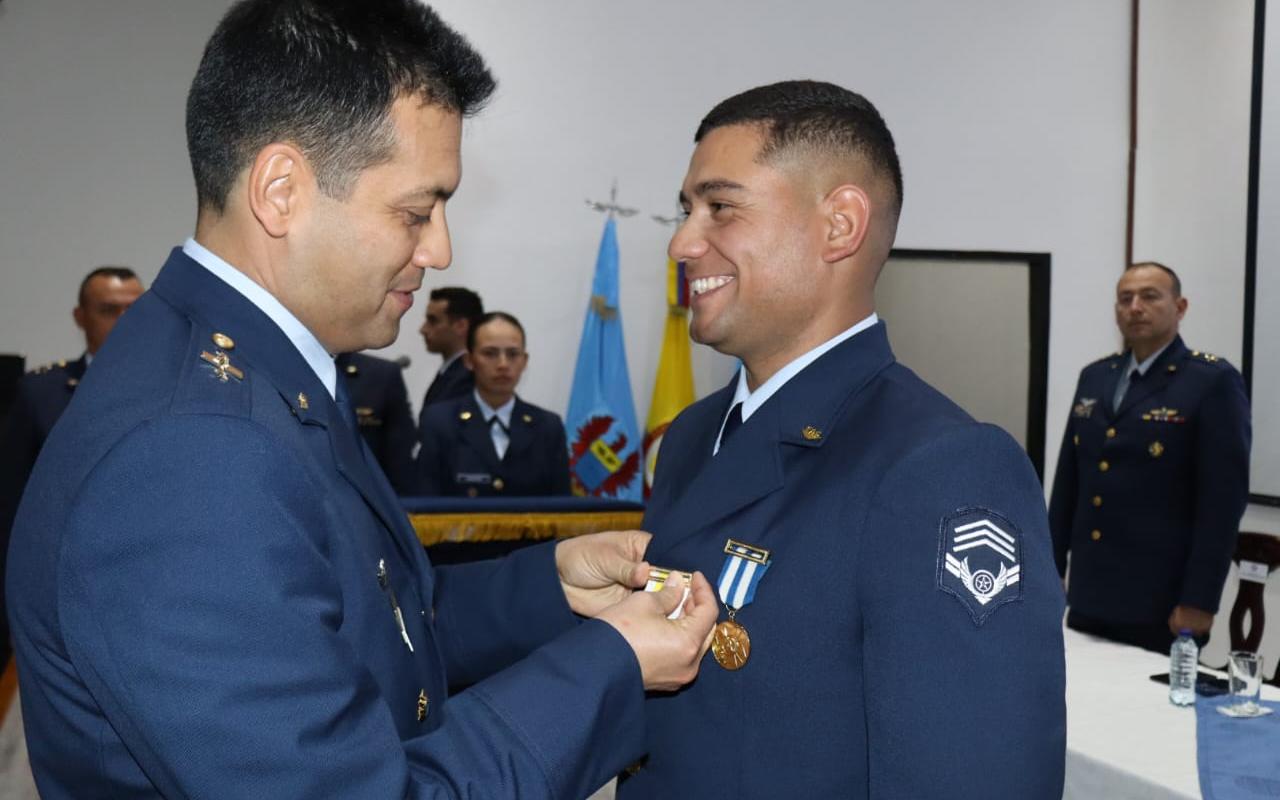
(503, 412)
(800, 414)
(751, 401)
(319, 359)
(449, 362)
(1150, 361)
(259, 343)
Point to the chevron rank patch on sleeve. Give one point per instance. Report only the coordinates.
(980, 560)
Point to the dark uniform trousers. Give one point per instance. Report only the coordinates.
(1147, 498)
(42, 396)
(457, 457)
(213, 594)
(381, 406)
(873, 671)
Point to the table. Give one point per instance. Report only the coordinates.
(1125, 740)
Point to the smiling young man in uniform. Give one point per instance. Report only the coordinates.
(891, 619)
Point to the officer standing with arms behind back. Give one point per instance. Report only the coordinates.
(214, 590)
(891, 624)
(491, 443)
(1153, 476)
(43, 394)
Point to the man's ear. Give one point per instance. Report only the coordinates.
(848, 215)
(278, 184)
(77, 314)
(1182, 307)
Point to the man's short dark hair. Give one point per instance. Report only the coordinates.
(123, 273)
(813, 115)
(323, 75)
(460, 303)
(485, 320)
(1177, 282)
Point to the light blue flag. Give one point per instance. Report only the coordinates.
(604, 441)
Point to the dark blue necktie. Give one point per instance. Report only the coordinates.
(343, 400)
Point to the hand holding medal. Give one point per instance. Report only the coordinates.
(669, 648)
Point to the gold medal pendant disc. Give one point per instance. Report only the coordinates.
(731, 645)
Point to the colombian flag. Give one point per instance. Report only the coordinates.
(673, 386)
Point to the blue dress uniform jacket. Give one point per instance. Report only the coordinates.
(1147, 499)
(42, 395)
(872, 672)
(202, 583)
(381, 404)
(457, 456)
(455, 381)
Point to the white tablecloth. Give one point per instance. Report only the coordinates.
(1125, 740)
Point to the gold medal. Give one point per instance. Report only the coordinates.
(731, 645)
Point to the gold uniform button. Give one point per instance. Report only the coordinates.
(464, 416)
(499, 484)
(528, 419)
(1104, 466)
(1076, 440)
(224, 341)
(1096, 535)
(1097, 500)
(1111, 433)
(352, 369)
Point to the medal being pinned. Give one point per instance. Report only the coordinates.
(743, 568)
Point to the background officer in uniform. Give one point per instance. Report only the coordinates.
(43, 394)
(214, 593)
(492, 443)
(1153, 476)
(451, 312)
(381, 403)
(905, 638)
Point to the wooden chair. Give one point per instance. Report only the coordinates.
(1258, 548)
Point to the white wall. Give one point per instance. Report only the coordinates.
(1192, 180)
(1010, 117)
(1195, 71)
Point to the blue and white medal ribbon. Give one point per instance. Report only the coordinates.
(743, 568)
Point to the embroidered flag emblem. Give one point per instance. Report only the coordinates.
(979, 560)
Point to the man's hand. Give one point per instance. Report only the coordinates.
(1191, 619)
(600, 569)
(669, 650)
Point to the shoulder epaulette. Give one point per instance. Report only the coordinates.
(1208, 358)
(43, 368)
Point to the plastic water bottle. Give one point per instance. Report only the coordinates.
(1184, 657)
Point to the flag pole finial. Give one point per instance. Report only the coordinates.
(612, 208)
